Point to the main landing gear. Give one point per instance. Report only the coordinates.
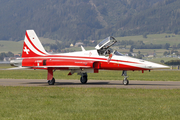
(51, 82)
(125, 80)
(50, 77)
(83, 78)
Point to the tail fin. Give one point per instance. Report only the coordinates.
(32, 46)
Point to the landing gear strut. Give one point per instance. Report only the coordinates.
(125, 80)
(83, 78)
(51, 82)
(50, 77)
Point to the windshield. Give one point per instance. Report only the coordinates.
(118, 54)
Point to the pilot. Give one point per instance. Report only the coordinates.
(108, 51)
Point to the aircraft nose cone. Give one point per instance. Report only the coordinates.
(158, 66)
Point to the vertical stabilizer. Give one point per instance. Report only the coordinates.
(32, 46)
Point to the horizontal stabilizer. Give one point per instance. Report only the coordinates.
(19, 68)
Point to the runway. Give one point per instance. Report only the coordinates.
(93, 83)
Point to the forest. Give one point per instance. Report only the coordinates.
(81, 20)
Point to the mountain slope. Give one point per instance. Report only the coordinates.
(72, 20)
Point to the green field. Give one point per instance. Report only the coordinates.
(154, 38)
(16, 47)
(56, 103)
(62, 103)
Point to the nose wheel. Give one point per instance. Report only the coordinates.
(125, 80)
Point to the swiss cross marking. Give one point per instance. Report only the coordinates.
(26, 50)
(90, 54)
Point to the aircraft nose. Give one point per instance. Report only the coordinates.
(157, 66)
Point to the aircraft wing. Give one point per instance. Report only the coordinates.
(45, 67)
(63, 66)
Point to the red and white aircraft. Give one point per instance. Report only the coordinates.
(103, 57)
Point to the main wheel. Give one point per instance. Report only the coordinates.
(83, 78)
(125, 82)
(51, 82)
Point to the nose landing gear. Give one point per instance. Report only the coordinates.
(125, 80)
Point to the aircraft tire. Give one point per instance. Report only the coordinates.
(51, 82)
(83, 78)
(125, 82)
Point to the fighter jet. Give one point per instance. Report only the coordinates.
(103, 57)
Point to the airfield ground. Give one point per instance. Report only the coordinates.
(98, 99)
(79, 103)
(25, 94)
(93, 83)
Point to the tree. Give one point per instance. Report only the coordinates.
(165, 53)
(129, 54)
(131, 49)
(166, 46)
(3, 54)
(139, 56)
(175, 31)
(162, 61)
(145, 35)
(178, 46)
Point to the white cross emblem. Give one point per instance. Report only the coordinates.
(26, 50)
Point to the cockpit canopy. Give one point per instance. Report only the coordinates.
(106, 43)
(103, 47)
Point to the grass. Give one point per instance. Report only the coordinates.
(12, 46)
(6, 46)
(153, 38)
(88, 103)
(158, 60)
(16, 47)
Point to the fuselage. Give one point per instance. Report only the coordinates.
(88, 60)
